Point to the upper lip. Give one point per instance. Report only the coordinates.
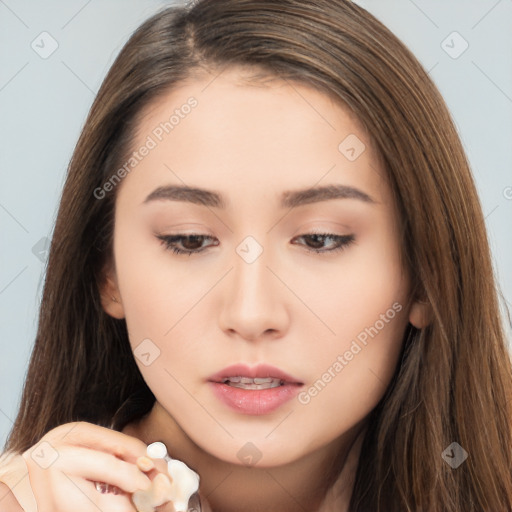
(260, 370)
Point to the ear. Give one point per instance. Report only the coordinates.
(420, 314)
(109, 293)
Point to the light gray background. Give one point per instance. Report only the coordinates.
(44, 102)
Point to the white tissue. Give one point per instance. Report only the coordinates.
(185, 482)
(156, 450)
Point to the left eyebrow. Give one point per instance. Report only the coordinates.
(293, 198)
(289, 198)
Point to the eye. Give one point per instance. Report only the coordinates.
(315, 242)
(186, 244)
(326, 242)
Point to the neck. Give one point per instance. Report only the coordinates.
(303, 484)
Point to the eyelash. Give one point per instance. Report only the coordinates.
(169, 242)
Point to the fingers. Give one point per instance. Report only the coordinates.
(65, 464)
(145, 464)
(102, 467)
(72, 493)
(76, 455)
(93, 436)
(151, 466)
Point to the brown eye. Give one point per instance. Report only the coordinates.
(186, 244)
(326, 242)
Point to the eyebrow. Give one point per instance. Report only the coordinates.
(289, 198)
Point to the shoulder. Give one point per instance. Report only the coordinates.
(16, 494)
(8, 503)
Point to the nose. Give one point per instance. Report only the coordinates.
(254, 302)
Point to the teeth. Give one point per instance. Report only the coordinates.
(249, 383)
(262, 380)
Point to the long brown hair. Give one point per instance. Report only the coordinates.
(454, 380)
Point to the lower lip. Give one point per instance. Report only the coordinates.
(254, 401)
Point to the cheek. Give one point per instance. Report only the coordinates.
(155, 293)
(349, 293)
(351, 377)
(160, 305)
(363, 301)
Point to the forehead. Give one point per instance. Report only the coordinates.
(226, 130)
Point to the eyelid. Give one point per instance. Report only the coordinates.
(322, 227)
(342, 242)
(167, 240)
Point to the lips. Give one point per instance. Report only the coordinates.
(260, 371)
(256, 390)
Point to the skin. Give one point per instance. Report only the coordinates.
(292, 308)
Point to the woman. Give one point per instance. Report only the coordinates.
(265, 257)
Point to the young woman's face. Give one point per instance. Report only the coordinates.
(292, 260)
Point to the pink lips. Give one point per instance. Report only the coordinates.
(254, 401)
(260, 370)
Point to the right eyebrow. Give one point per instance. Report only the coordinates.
(189, 194)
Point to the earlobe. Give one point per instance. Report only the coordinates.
(110, 296)
(420, 314)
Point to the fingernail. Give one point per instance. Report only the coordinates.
(145, 464)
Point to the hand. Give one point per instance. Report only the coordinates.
(175, 480)
(65, 464)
